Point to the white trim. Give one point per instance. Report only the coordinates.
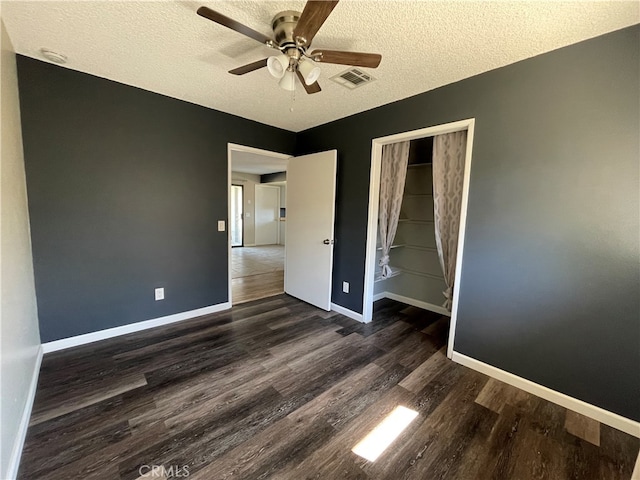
(372, 231)
(234, 147)
(461, 234)
(249, 245)
(417, 303)
(229, 257)
(130, 328)
(267, 153)
(636, 470)
(372, 224)
(347, 313)
(379, 296)
(604, 416)
(16, 453)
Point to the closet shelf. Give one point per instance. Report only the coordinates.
(425, 249)
(394, 273)
(392, 246)
(421, 274)
(416, 165)
(416, 222)
(411, 195)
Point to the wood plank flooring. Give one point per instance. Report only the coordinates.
(254, 287)
(258, 272)
(279, 389)
(246, 261)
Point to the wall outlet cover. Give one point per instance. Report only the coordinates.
(159, 294)
(345, 287)
(221, 225)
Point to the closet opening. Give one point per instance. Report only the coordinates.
(415, 251)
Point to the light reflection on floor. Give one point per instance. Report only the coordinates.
(383, 435)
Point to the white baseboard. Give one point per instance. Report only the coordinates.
(379, 296)
(415, 303)
(16, 453)
(347, 313)
(130, 328)
(249, 245)
(604, 416)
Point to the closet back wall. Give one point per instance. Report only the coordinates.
(125, 190)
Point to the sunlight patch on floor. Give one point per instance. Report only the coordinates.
(383, 435)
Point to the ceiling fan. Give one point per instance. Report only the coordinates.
(293, 33)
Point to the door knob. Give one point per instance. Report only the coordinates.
(326, 241)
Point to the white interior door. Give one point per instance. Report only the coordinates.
(267, 216)
(311, 194)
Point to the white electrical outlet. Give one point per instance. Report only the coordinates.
(221, 226)
(159, 294)
(345, 287)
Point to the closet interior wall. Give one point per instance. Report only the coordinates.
(417, 275)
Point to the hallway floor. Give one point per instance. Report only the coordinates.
(247, 261)
(256, 272)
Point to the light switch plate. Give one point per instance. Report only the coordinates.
(159, 294)
(345, 287)
(221, 225)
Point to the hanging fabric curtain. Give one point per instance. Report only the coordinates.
(393, 173)
(448, 173)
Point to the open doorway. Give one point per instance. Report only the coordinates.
(256, 267)
(411, 264)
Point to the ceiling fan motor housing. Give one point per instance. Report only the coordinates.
(283, 24)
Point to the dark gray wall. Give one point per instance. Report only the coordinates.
(273, 177)
(125, 188)
(550, 283)
(420, 150)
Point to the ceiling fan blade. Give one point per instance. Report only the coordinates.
(233, 25)
(311, 19)
(313, 88)
(357, 59)
(250, 67)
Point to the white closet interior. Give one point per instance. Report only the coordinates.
(417, 277)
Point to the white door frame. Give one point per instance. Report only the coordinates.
(231, 221)
(374, 194)
(234, 147)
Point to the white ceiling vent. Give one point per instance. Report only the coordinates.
(352, 78)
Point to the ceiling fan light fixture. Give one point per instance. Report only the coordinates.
(288, 81)
(310, 71)
(277, 65)
(293, 32)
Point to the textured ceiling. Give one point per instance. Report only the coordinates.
(166, 48)
(257, 164)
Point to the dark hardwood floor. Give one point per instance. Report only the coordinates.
(278, 389)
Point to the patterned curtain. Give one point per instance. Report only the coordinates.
(448, 173)
(392, 176)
